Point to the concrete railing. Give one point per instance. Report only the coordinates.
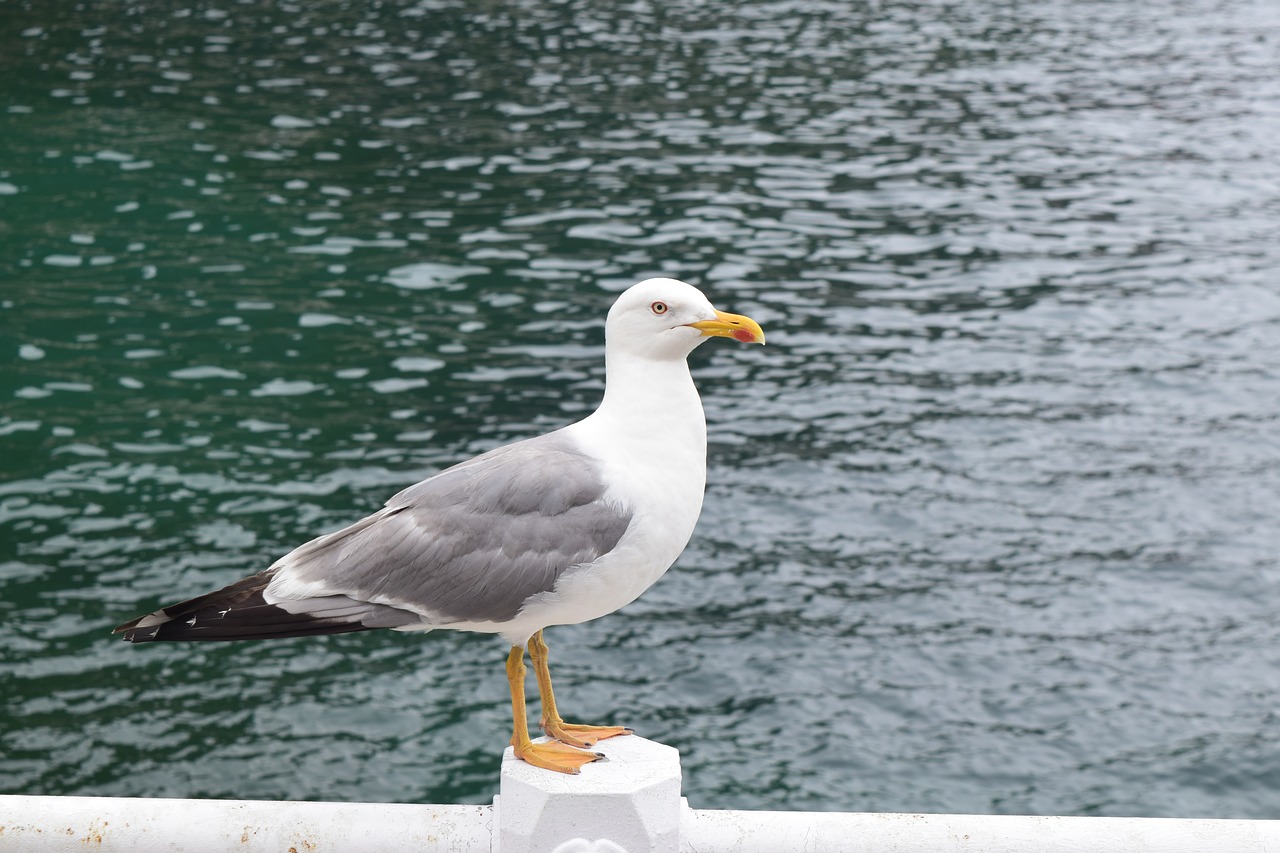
(629, 804)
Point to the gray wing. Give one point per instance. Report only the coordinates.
(475, 541)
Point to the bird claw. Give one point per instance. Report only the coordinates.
(551, 755)
(582, 736)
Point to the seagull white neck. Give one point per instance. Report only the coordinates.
(651, 412)
(643, 395)
(650, 436)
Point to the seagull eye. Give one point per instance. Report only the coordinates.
(658, 307)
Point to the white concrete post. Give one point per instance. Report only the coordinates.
(628, 804)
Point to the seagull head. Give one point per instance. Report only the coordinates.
(666, 319)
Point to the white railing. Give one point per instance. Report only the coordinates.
(629, 804)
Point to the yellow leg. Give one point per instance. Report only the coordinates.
(552, 723)
(551, 756)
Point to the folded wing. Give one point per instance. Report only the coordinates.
(469, 545)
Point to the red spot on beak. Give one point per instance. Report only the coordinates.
(745, 336)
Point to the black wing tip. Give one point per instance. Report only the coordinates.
(173, 622)
(129, 632)
(182, 632)
(235, 612)
(134, 632)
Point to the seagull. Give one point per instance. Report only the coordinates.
(553, 530)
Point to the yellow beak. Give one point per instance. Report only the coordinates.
(735, 326)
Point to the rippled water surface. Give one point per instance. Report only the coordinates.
(991, 524)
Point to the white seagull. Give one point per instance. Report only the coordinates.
(552, 530)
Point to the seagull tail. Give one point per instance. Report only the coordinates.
(239, 612)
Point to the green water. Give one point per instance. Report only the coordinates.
(990, 524)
